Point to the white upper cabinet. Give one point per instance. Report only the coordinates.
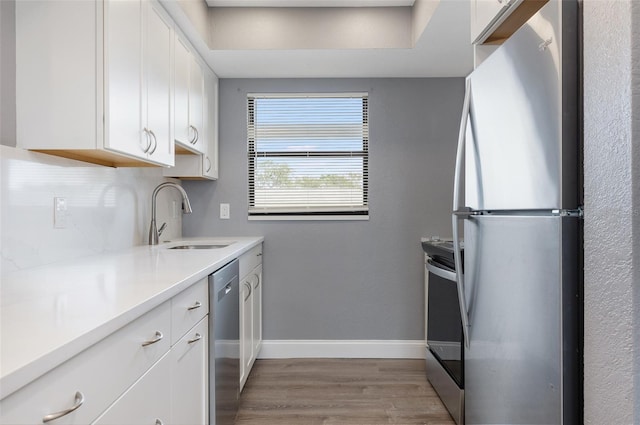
(210, 158)
(123, 72)
(189, 99)
(138, 37)
(196, 102)
(158, 73)
(204, 166)
(182, 57)
(93, 81)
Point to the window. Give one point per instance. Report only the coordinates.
(308, 155)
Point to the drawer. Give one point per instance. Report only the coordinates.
(101, 373)
(148, 401)
(188, 308)
(249, 260)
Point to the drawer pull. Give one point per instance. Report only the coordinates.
(259, 255)
(53, 416)
(196, 339)
(197, 304)
(158, 337)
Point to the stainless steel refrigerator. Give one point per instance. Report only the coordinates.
(518, 163)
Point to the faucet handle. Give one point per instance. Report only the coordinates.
(161, 229)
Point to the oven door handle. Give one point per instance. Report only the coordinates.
(445, 274)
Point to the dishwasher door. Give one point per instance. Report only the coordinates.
(224, 354)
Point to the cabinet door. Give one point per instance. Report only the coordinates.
(123, 76)
(203, 166)
(157, 66)
(196, 103)
(147, 402)
(246, 327)
(210, 157)
(256, 334)
(181, 91)
(189, 377)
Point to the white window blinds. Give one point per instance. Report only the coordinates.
(308, 154)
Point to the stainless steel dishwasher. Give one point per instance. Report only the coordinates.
(224, 354)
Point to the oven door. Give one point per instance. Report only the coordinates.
(444, 325)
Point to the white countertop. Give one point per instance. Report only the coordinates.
(49, 314)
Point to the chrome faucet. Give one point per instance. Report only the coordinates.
(154, 234)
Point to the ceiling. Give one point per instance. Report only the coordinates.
(443, 50)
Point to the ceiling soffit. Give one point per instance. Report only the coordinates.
(433, 41)
(309, 3)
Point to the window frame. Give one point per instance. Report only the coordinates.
(300, 213)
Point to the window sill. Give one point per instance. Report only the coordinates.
(309, 218)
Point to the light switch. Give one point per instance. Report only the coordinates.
(224, 211)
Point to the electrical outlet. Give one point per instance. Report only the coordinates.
(224, 211)
(59, 213)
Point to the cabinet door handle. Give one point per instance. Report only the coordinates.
(146, 133)
(158, 337)
(155, 142)
(209, 165)
(197, 304)
(195, 135)
(197, 338)
(257, 281)
(159, 422)
(248, 285)
(78, 402)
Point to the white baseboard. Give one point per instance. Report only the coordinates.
(363, 349)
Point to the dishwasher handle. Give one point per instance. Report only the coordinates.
(224, 291)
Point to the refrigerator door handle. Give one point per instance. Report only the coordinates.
(460, 150)
(462, 300)
(461, 213)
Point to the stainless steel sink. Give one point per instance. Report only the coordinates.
(198, 246)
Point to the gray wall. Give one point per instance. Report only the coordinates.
(347, 279)
(7, 72)
(612, 195)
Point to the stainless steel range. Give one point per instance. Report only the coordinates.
(445, 342)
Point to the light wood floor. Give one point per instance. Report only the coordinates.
(340, 391)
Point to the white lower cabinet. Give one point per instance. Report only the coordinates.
(250, 311)
(175, 390)
(147, 402)
(133, 376)
(256, 315)
(246, 326)
(189, 377)
(100, 374)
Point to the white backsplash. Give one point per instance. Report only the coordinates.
(107, 208)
